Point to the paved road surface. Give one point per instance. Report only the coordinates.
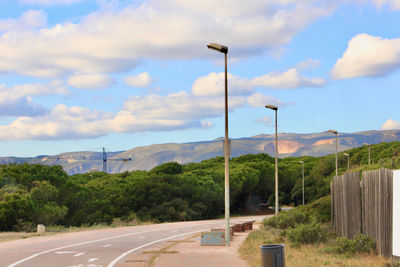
(106, 247)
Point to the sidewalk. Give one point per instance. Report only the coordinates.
(187, 251)
(193, 255)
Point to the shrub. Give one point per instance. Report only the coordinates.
(320, 209)
(288, 219)
(307, 233)
(360, 244)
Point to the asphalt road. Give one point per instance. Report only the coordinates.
(106, 247)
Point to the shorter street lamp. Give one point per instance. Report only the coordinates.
(369, 152)
(302, 170)
(348, 160)
(335, 133)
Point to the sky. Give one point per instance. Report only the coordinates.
(78, 75)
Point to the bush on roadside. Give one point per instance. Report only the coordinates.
(320, 209)
(307, 233)
(360, 244)
(288, 219)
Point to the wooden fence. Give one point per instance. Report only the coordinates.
(365, 206)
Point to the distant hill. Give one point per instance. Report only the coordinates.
(147, 157)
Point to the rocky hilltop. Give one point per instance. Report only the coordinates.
(147, 157)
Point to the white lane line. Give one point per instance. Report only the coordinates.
(148, 244)
(93, 259)
(141, 237)
(92, 241)
(105, 246)
(79, 254)
(175, 230)
(65, 252)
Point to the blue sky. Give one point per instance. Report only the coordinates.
(79, 75)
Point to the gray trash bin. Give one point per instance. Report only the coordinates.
(273, 255)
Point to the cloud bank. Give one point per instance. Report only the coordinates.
(368, 55)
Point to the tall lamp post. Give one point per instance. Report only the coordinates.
(335, 133)
(369, 152)
(276, 156)
(302, 171)
(224, 49)
(348, 160)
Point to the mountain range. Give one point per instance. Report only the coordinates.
(147, 157)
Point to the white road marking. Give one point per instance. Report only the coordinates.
(175, 230)
(65, 252)
(79, 254)
(92, 241)
(93, 259)
(141, 237)
(148, 244)
(105, 246)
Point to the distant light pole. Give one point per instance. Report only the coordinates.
(348, 160)
(224, 49)
(369, 152)
(335, 133)
(302, 170)
(276, 156)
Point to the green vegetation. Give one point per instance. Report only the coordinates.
(33, 193)
(309, 241)
(361, 244)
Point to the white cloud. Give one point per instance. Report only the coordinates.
(258, 100)
(181, 106)
(90, 81)
(308, 64)
(48, 2)
(17, 101)
(140, 113)
(115, 40)
(265, 120)
(141, 80)
(35, 89)
(390, 124)
(29, 20)
(393, 4)
(289, 79)
(368, 55)
(22, 106)
(214, 83)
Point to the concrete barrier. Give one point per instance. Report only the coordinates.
(41, 228)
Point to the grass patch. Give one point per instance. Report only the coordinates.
(309, 240)
(55, 229)
(307, 255)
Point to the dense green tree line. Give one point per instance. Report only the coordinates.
(32, 194)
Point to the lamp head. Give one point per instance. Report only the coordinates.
(346, 154)
(300, 161)
(333, 131)
(218, 47)
(272, 107)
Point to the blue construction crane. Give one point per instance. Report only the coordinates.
(105, 159)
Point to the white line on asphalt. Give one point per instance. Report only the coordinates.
(65, 252)
(88, 242)
(93, 259)
(108, 245)
(148, 244)
(175, 230)
(79, 254)
(141, 237)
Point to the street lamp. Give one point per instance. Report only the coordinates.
(369, 152)
(302, 170)
(348, 160)
(276, 155)
(224, 49)
(335, 133)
